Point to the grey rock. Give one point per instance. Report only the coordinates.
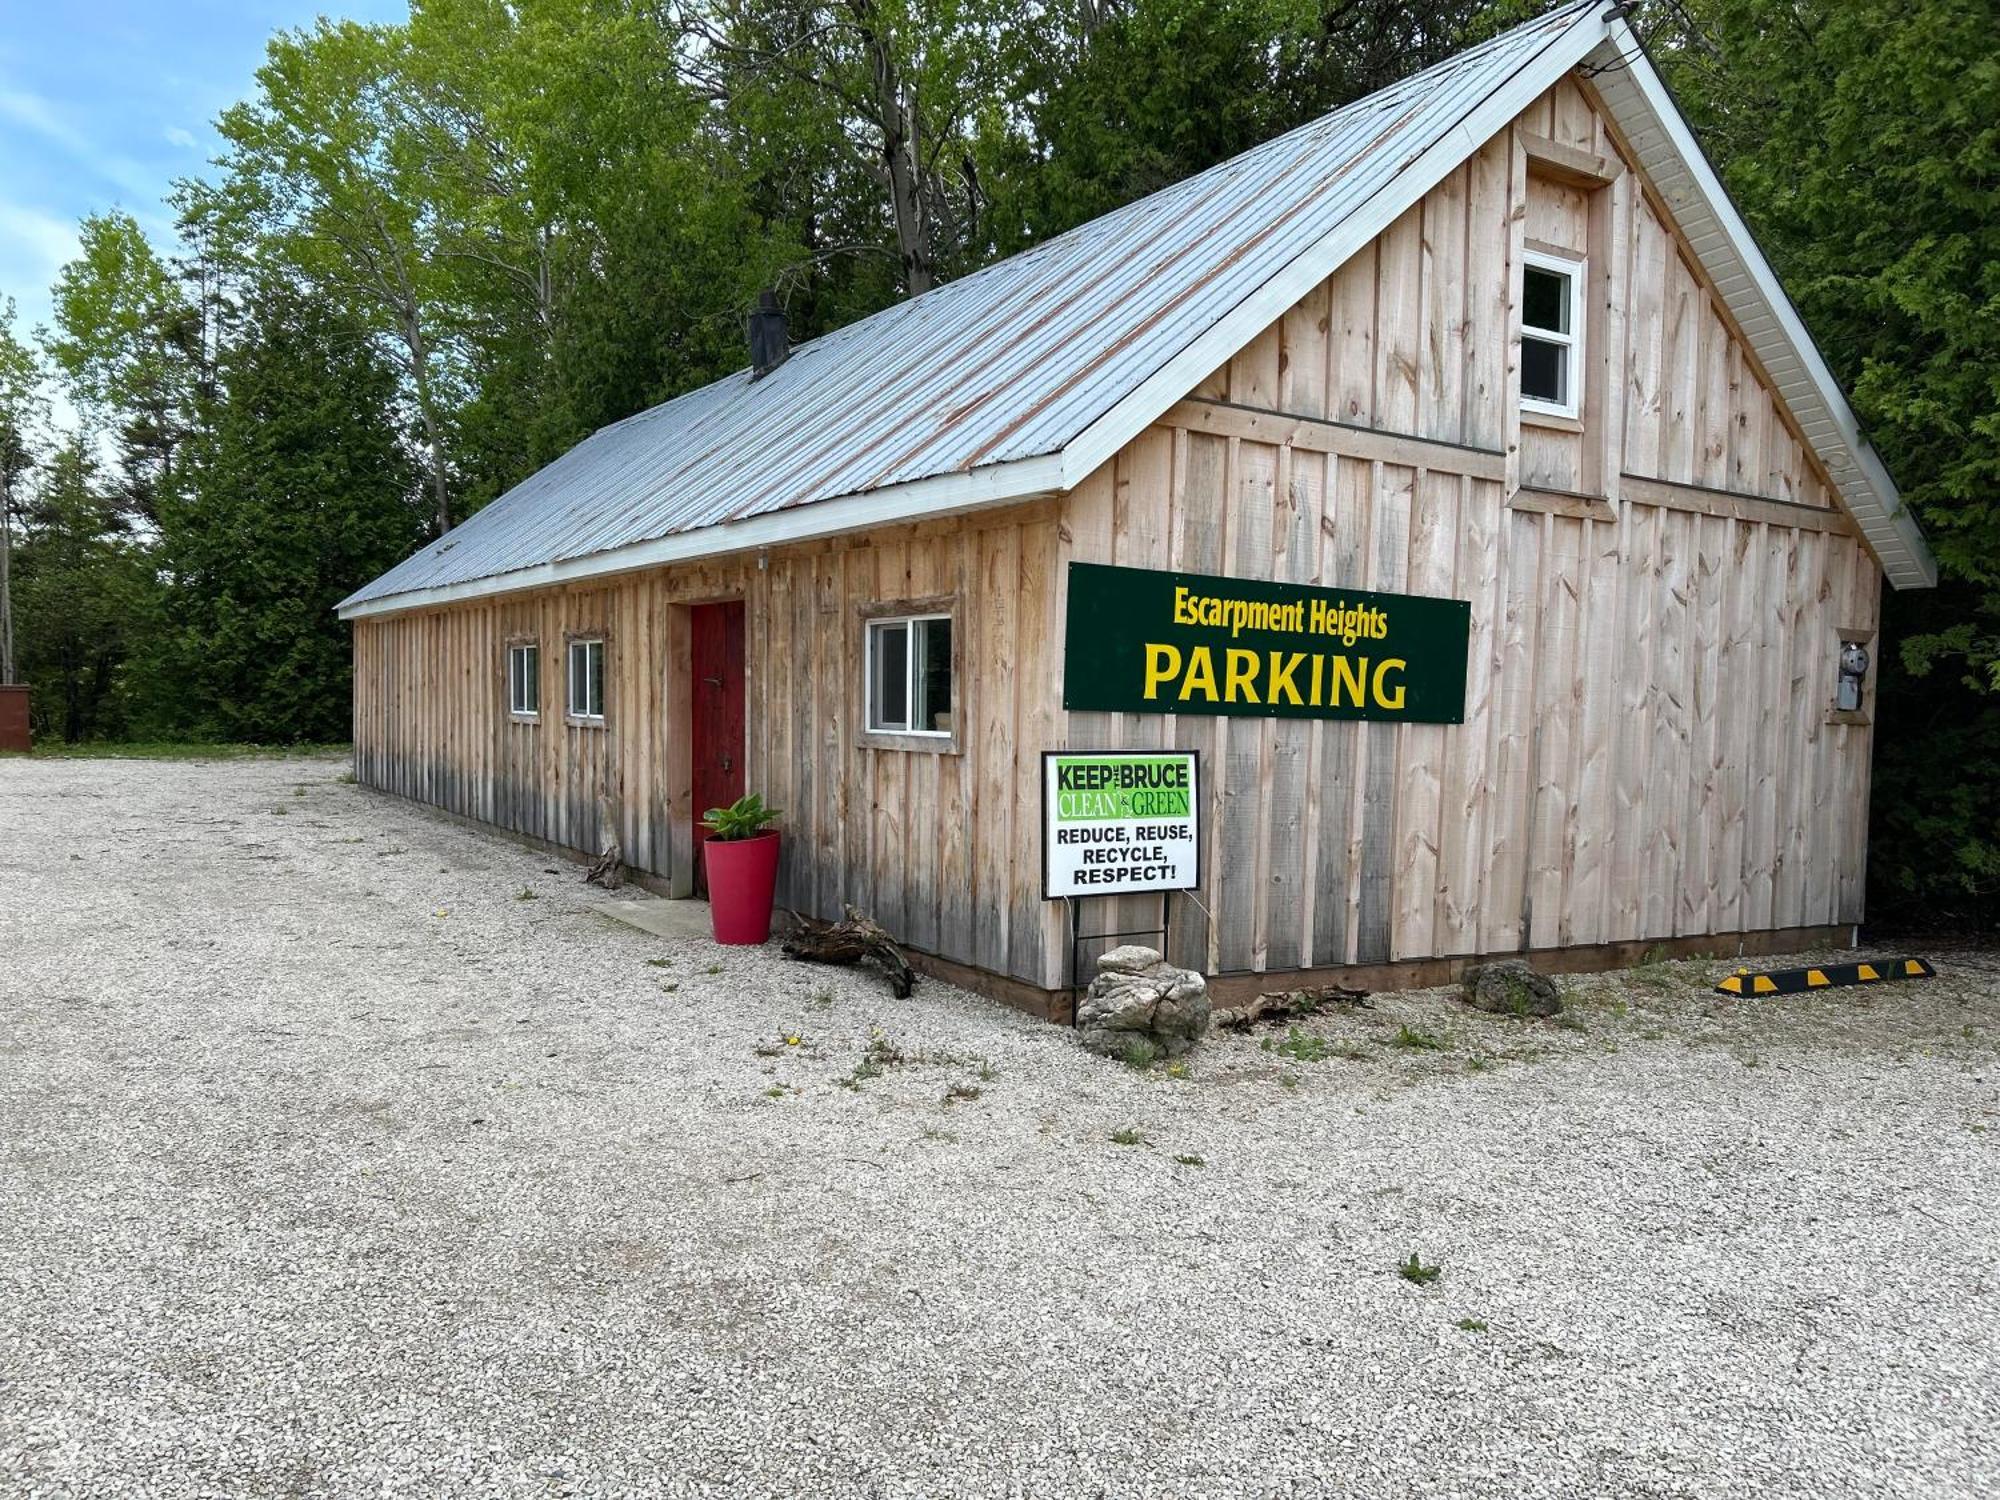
(1510, 987)
(1138, 996)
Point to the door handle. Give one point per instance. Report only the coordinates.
(728, 764)
(713, 681)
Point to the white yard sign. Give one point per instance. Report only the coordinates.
(1118, 821)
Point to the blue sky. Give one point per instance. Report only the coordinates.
(103, 103)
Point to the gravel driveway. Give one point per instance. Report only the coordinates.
(348, 1152)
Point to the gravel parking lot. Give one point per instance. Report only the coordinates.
(348, 1152)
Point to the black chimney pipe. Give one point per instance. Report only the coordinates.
(770, 340)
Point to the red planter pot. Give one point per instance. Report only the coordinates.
(742, 877)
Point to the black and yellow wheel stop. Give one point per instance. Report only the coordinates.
(1825, 977)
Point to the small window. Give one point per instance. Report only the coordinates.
(586, 679)
(524, 680)
(1551, 333)
(909, 675)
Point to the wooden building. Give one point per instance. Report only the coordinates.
(1495, 335)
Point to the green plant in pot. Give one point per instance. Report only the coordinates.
(741, 852)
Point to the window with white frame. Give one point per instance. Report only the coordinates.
(524, 679)
(909, 682)
(1551, 333)
(586, 678)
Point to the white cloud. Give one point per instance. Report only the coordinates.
(34, 113)
(182, 138)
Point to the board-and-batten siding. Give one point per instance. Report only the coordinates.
(1646, 752)
(936, 845)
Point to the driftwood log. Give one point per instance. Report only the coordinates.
(850, 941)
(609, 868)
(1280, 1005)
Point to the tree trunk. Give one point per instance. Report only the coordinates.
(419, 352)
(897, 121)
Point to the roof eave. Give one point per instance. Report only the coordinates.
(1672, 160)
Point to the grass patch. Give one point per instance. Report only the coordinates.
(658, 963)
(821, 998)
(954, 1092)
(714, 968)
(1190, 1161)
(1300, 1046)
(1129, 1136)
(1473, 1325)
(863, 1071)
(526, 893)
(1414, 1270)
(987, 1072)
(1415, 1039)
(1139, 1054)
(882, 1054)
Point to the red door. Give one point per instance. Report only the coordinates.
(716, 641)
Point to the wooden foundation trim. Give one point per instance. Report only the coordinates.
(1018, 994)
(1228, 991)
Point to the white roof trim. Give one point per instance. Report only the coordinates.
(1672, 160)
(918, 500)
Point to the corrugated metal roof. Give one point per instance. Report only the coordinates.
(996, 379)
(1009, 363)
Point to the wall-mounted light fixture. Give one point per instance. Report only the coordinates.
(1853, 672)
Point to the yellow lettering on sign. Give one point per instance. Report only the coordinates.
(1281, 678)
(1200, 675)
(1354, 678)
(1240, 684)
(1385, 698)
(1182, 614)
(1163, 664)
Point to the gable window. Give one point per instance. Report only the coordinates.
(586, 678)
(524, 680)
(909, 686)
(1551, 333)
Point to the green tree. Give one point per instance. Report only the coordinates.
(1146, 92)
(81, 584)
(126, 342)
(323, 167)
(861, 119)
(23, 413)
(600, 241)
(305, 493)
